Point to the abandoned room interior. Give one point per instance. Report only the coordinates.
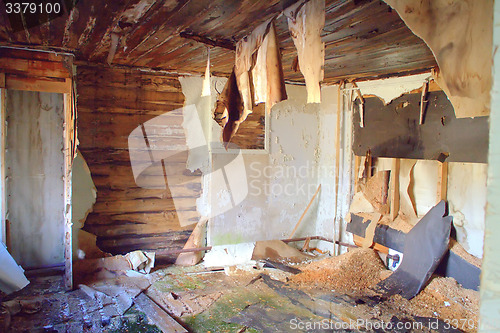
(250, 166)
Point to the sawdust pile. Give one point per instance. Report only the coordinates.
(355, 270)
(445, 299)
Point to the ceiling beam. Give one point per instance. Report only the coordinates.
(223, 43)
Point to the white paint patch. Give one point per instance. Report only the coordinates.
(467, 203)
(424, 177)
(136, 12)
(392, 88)
(230, 255)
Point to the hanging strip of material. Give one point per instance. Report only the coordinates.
(246, 54)
(306, 22)
(258, 78)
(231, 102)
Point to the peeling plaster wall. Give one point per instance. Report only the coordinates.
(392, 88)
(466, 196)
(466, 192)
(326, 167)
(490, 275)
(467, 203)
(281, 182)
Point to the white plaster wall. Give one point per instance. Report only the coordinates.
(467, 203)
(326, 167)
(282, 181)
(423, 186)
(490, 275)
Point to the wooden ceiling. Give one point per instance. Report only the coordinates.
(363, 38)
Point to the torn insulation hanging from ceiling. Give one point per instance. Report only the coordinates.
(231, 102)
(267, 74)
(244, 62)
(459, 34)
(306, 22)
(258, 78)
(205, 90)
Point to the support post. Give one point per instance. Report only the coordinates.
(395, 188)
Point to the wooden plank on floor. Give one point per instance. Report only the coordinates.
(157, 315)
(394, 188)
(358, 240)
(442, 185)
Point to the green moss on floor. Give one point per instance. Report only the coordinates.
(172, 283)
(232, 304)
(134, 321)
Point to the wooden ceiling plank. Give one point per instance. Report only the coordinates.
(150, 24)
(106, 15)
(223, 43)
(122, 23)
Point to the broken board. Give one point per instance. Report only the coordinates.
(393, 130)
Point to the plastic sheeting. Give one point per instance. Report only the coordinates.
(11, 274)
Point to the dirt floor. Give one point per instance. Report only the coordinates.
(332, 294)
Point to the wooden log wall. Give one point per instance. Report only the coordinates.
(126, 217)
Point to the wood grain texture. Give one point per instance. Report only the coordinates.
(363, 39)
(393, 130)
(126, 217)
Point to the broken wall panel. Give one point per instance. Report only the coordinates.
(393, 130)
(459, 33)
(111, 104)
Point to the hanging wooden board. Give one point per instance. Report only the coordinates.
(393, 130)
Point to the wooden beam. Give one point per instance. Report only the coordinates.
(223, 43)
(68, 161)
(3, 197)
(305, 211)
(423, 102)
(358, 240)
(157, 315)
(442, 185)
(37, 84)
(34, 67)
(357, 163)
(394, 188)
(2, 80)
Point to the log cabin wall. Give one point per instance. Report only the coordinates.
(111, 104)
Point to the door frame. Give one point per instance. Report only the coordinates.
(52, 85)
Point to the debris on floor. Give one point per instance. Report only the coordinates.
(425, 246)
(11, 274)
(279, 251)
(355, 270)
(336, 291)
(141, 261)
